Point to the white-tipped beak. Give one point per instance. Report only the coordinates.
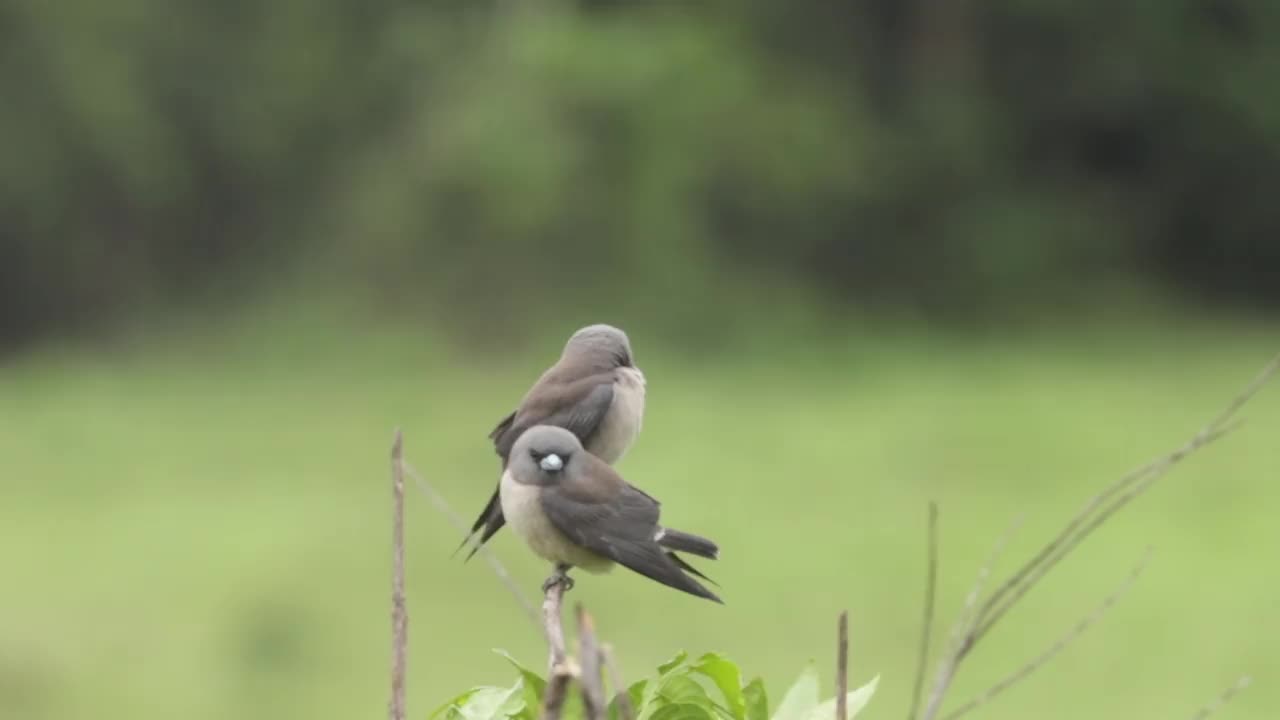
(551, 463)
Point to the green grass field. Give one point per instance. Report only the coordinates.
(200, 529)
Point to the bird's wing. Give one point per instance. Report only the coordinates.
(503, 425)
(604, 514)
(578, 406)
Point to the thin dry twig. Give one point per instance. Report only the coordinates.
(589, 659)
(961, 632)
(1123, 490)
(842, 667)
(399, 611)
(1222, 699)
(561, 668)
(1097, 511)
(930, 593)
(968, 617)
(1061, 546)
(498, 568)
(551, 623)
(557, 692)
(1058, 645)
(610, 661)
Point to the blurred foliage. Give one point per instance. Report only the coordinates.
(682, 690)
(953, 158)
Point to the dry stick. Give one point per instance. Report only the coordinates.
(1217, 427)
(399, 613)
(557, 691)
(551, 624)
(1223, 699)
(1062, 546)
(589, 657)
(625, 711)
(930, 592)
(1058, 646)
(842, 667)
(1091, 517)
(968, 617)
(498, 569)
(560, 670)
(961, 632)
(1127, 488)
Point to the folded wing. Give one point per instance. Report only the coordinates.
(611, 518)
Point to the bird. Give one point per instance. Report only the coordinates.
(574, 510)
(594, 391)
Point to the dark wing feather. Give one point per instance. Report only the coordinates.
(611, 518)
(577, 406)
(503, 425)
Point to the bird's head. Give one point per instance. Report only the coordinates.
(543, 452)
(601, 343)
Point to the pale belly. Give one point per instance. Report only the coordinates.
(524, 514)
(621, 424)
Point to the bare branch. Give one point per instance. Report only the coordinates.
(1123, 490)
(498, 569)
(1223, 699)
(1058, 646)
(968, 618)
(561, 667)
(589, 658)
(399, 612)
(974, 626)
(842, 667)
(551, 623)
(962, 632)
(1065, 542)
(557, 691)
(625, 711)
(930, 593)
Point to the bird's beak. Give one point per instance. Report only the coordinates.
(551, 463)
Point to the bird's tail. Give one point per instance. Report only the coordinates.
(689, 568)
(490, 521)
(688, 542)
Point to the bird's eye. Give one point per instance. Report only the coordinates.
(551, 462)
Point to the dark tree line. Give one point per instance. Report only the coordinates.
(955, 157)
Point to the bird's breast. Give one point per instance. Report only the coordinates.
(522, 508)
(621, 424)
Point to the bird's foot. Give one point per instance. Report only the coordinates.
(559, 577)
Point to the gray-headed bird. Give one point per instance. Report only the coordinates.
(594, 391)
(574, 510)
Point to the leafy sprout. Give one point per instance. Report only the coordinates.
(708, 688)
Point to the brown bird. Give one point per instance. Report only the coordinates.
(594, 391)
(574, 510)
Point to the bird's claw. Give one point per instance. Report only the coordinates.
(559, 577)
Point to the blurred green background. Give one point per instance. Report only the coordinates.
(869, 254)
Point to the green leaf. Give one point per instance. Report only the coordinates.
(801, 699)
(756, 700)
(725, 674)
(450, 704)
(856, 699)
(682, 689)
(492, 703)
(635, 694)
(673, 663)
(673, 688)
(535, 686)
(682, 711)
